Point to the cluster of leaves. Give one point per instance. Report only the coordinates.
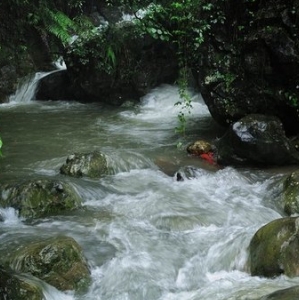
(101, 48)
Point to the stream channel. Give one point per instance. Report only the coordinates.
(146, 236)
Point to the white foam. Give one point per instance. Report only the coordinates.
(10, 216)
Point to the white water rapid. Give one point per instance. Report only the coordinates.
(145, 235)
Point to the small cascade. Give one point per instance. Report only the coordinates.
(27, 88)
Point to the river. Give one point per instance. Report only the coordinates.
(146, 236)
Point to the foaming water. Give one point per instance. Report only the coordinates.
(179, 235)
(160, 104)
(10, 217)
(153, 122)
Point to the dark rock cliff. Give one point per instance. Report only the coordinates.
(250, 62)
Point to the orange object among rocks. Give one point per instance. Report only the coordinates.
(209, 157)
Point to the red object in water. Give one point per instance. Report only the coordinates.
(209, 157)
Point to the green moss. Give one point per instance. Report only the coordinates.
(39, 198)
(58, 261)
(17, 287)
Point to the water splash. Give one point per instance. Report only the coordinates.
(10, 216)
(60, 64)
(160, 104)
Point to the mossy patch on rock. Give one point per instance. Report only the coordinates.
(274, 249)
(58, 261)
(285, 294)
(39, 198)
(291, 193)
(15, 287)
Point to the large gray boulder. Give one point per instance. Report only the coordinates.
(59, 261)
(256, 140)
(274, 248)
(40, 197)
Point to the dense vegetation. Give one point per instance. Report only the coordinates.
(28, 24)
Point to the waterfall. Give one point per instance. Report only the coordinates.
(27, 88)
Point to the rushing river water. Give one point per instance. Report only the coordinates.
(146, 236)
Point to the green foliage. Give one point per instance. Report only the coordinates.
(59, 25)
(186, 101)
(98, 47)
(292, 99)
(21, 19)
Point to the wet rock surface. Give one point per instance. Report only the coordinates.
(16, 287)
(93, 165)
(291, 193)
(39, 197)
(256, 140)
(274, 249)
(59, 261)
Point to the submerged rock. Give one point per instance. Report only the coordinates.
(16, 287)
(291, 293)
(93, 165)
(291, 193)
(256, 139)
(58, 261)
(39, 198)
(274, 249)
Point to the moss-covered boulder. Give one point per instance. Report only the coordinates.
(93, 165)
(291, 193)
(274, 249)
(39, 198)
(291, 293)
(16, 287)
(58, 261)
